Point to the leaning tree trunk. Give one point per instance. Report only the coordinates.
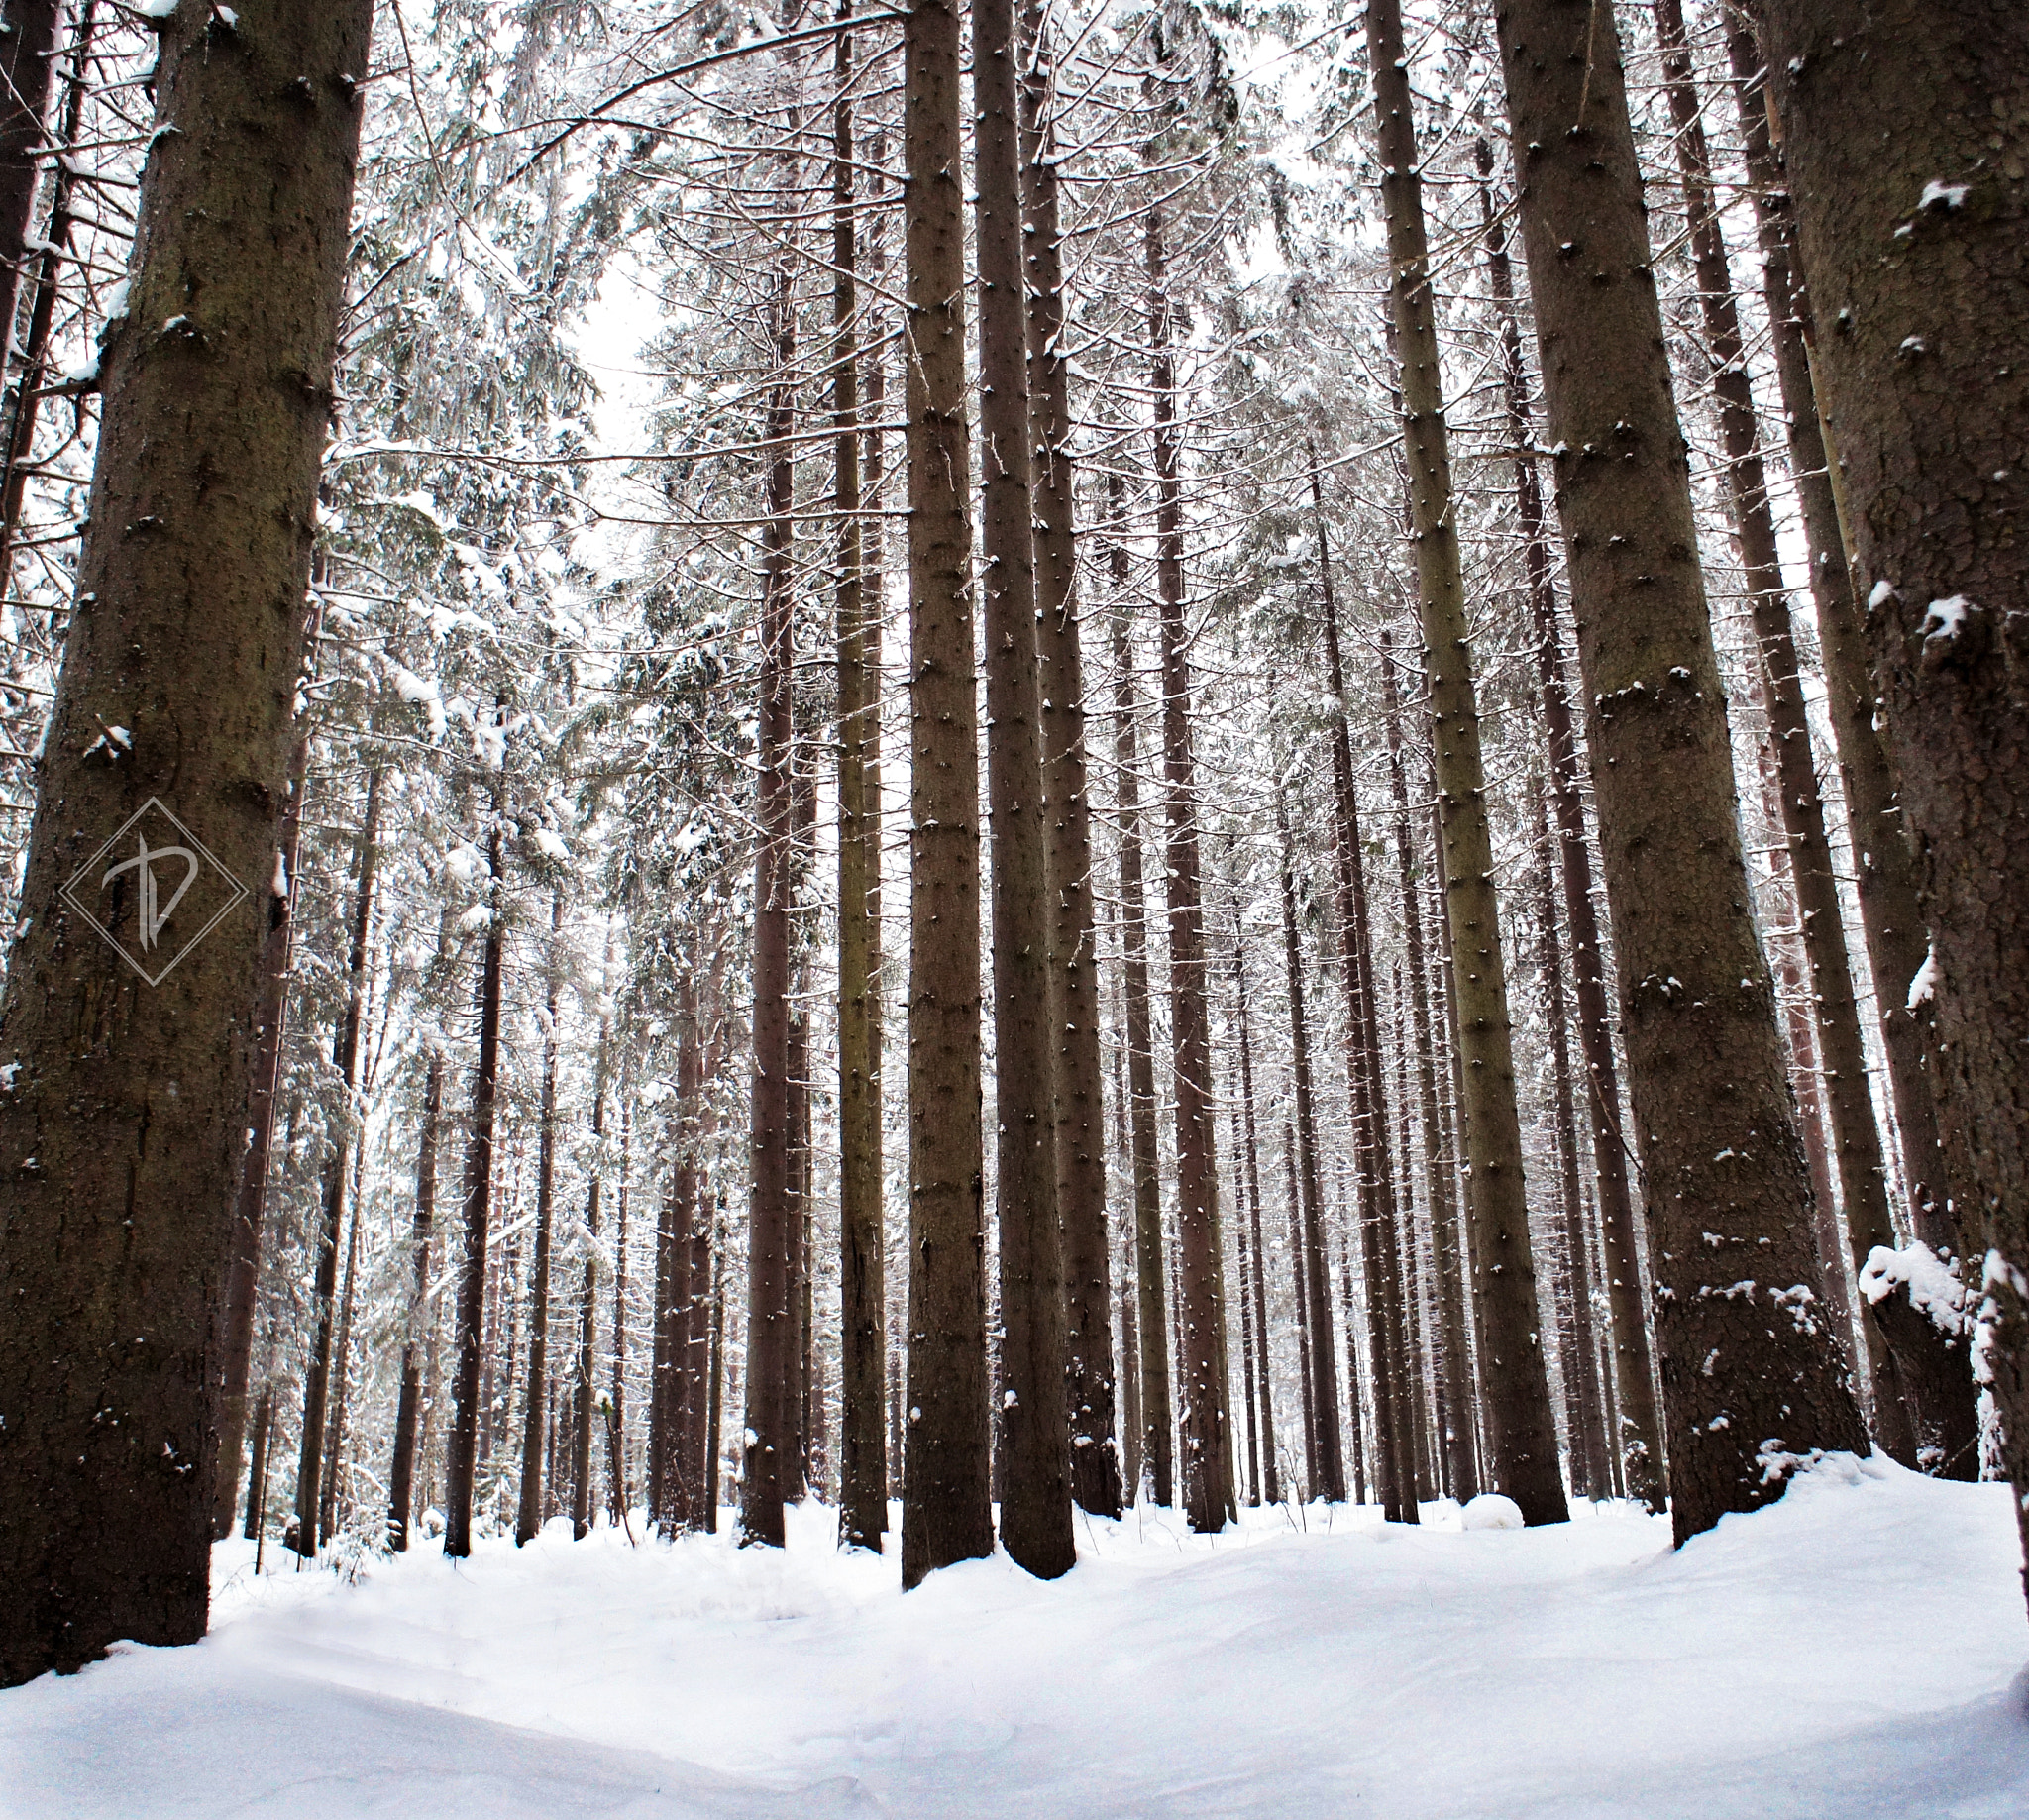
(862, 1437)
(1923, 1391)
(1521, 1430)
(218, 389)
(1035, 1499)
(1201, 1316)
(528, 1515)
(462, 1449)
(1074, 959)
(1906, 130)
(1152, 1320)
(768, 1455)
(346, 1059)
(1752, 1379)
(945, 1514)
(1638, 1444)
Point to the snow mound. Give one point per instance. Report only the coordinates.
(1491, 1511)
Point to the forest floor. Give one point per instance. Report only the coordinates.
(1856, 1650)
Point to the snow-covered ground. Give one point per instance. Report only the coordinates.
(1851, 1652)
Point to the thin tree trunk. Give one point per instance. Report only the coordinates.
(1201, 1316)
(1328, 1452)
(616, 1420)
(768, 1466)
(334, 1443)
(714, 1408)
(528, 1518)
(1035, 1502)
(1454, 1353)
(1152, 1321)
(1521, 1430)
(1711, 1097)
(946, 1515)
(346, 1058)
(250, 1200)
(408, 1409)
(586, 1390)
(1251, 1157)
(1300, 1289)
(1638, 1440)
(460, 1466)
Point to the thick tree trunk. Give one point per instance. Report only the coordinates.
(409, 1415)
(112, 1227)
(946, 1515)
(1906, 128)
(1522, 1435)
(1889, 914)
(863, 1450)
(1752, 1377)
(1637, 1444)
(528, 1516)
(1327, 1449)
(1074, 960)
(1918, 1367)
(461, 1459)
(1149, 1275)
(1035, 1501)
(1201, 1314)
(768, 1457)
(345, 1122)
(250, 1200)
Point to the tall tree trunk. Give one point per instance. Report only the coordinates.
(1890, 916)
(1300, 1289)
(1250, 1154)
(1149, 1273)
(1201, 1316)
(250, 1200)
(112, 1245)
(334, 1442)
(408, 1412)
(616, 1420)
(346, 1059)
(528, 1517)
(946, 1515)
(1074, 960)
(1328, 1451)
(1911, 1363)
(1455, 1351)
(1244, 1284)
(465, 1412)
(1035, 1503)
(1638, 1440)
(863, 1450)
(1522, 1433)
(1366, 1096)
(28, 60)
(715, 1401)
(1751, 1376)
(769, 1466)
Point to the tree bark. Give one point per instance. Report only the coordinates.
(945, 1516)
(1035, 1503)
(113, 1229)
(466, 1411)
(346, 1059)
(1251, 1158)
(408, 1412)
(585, 1391)
(1206, 1427)
(1637, 1444)
(27, 58)
(1522, 1435)
(528, 1517)
(1752, 1377)
(1073, 961)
